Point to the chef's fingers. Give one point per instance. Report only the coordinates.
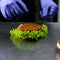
(3, 12)
(18, 9)
(22, 6)
(53, 10)
(7, 11)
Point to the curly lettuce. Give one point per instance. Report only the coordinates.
(35, 34)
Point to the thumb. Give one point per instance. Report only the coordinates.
(43, 13)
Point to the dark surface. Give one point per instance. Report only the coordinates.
(47, 50)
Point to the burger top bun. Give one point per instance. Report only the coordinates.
(29, 27)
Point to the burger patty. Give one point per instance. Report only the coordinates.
(29, 27)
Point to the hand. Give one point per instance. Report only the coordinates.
(11, 8)
(49, 9)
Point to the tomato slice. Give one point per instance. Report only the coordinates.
(58, 41)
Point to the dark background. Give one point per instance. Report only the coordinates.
(33, 15)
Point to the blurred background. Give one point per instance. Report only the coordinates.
(59, 11)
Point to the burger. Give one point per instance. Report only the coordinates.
(29, 31)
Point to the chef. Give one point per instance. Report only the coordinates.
(24, 10)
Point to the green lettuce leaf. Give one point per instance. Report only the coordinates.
(33, 34)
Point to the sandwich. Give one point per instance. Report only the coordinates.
(29, 31)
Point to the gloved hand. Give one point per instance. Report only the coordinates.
(49, 9)
(11, 8)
